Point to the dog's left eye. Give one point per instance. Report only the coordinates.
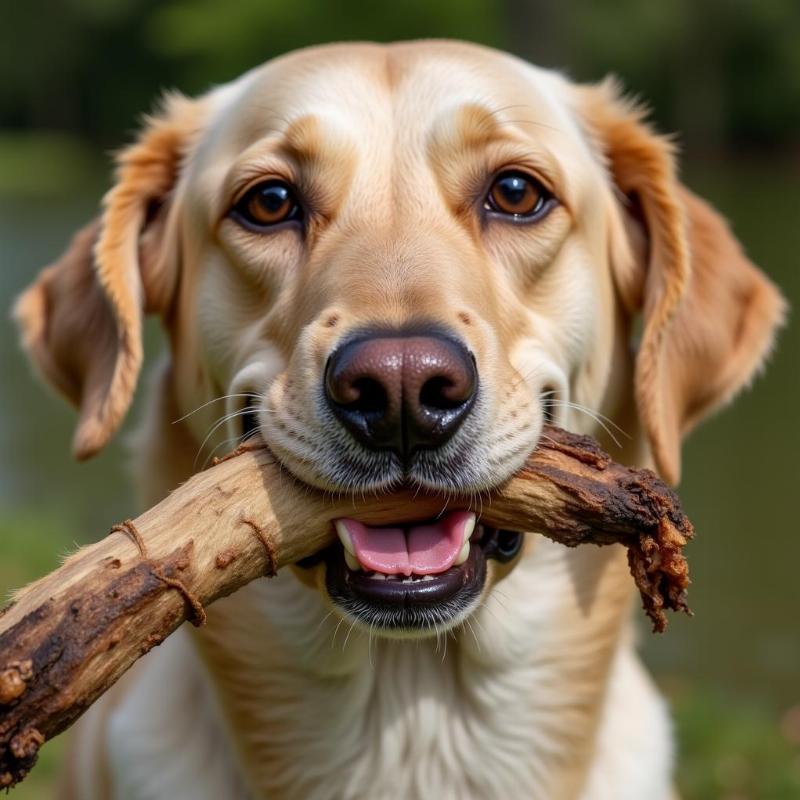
(518, 195)
(267, 204)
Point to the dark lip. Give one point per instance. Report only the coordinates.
(398, 594)
(417, 605)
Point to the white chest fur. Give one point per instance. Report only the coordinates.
(518, 704)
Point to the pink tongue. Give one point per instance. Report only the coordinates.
(419, 549)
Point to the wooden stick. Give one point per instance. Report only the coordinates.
(69, 637)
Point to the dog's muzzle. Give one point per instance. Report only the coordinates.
(401, 391)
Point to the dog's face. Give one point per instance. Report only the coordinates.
(399, 293)
(396, 263)
(391, 262)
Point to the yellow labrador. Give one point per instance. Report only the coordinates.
(395, 263)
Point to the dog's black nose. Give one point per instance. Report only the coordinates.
(401, 392)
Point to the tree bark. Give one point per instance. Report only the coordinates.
(70, 636)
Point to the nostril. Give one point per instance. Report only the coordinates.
(452, 383)
(363, 393)
(438, 393)
(370, 396)
(363, 390)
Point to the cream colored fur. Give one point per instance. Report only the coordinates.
(538, 693)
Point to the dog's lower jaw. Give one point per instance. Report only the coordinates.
(509, 705)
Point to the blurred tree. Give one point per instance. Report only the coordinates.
(224, 40)
(725, 72)
(89, 66)
(77, 65)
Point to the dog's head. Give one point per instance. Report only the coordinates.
(396, 263)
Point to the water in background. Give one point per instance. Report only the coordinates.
(740, 475)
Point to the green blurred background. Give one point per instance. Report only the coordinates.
(75, 75)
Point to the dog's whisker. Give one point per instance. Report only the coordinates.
(369, 643)
(489, 610)
(597, 418)
(230, 440)
(215, 400)
(501, 597)
(474, 618)
(524, 378)
(335, 632)
(220, 422)
(587, 410)
(347, 638)
(472, 631)
(321, 623)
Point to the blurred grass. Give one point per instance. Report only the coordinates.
(44, 163)
(33, 544)
(735, 748)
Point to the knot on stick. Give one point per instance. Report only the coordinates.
(198, 613)
(270, 570)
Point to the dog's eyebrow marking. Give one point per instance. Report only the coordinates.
(475, 129)
(477, 126)
(302, 140)
(473, 126)
(307, 150)
(495, 113)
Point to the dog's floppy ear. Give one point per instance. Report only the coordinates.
(708, 314)
(81, 320)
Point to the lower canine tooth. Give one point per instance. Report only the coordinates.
(351, 561)
(344, 537)
(463, 554)
(469, 528)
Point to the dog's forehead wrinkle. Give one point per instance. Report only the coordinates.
(303, 108)
(270, 97)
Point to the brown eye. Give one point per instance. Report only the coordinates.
(517, 195)
(268, 204)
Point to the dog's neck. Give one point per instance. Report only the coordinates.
(497, 708)
(508, 705)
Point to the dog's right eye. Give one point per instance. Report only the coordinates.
(267, 204)
(518, 196)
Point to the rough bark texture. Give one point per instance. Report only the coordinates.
(68, 637)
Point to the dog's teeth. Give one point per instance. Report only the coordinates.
(344, 537)
(351, 561)
(427, 578)
(469, 528)
(378, 576)
(463, 554)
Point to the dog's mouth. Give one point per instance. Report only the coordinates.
(412, 577)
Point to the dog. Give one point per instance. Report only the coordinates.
(395, 263)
